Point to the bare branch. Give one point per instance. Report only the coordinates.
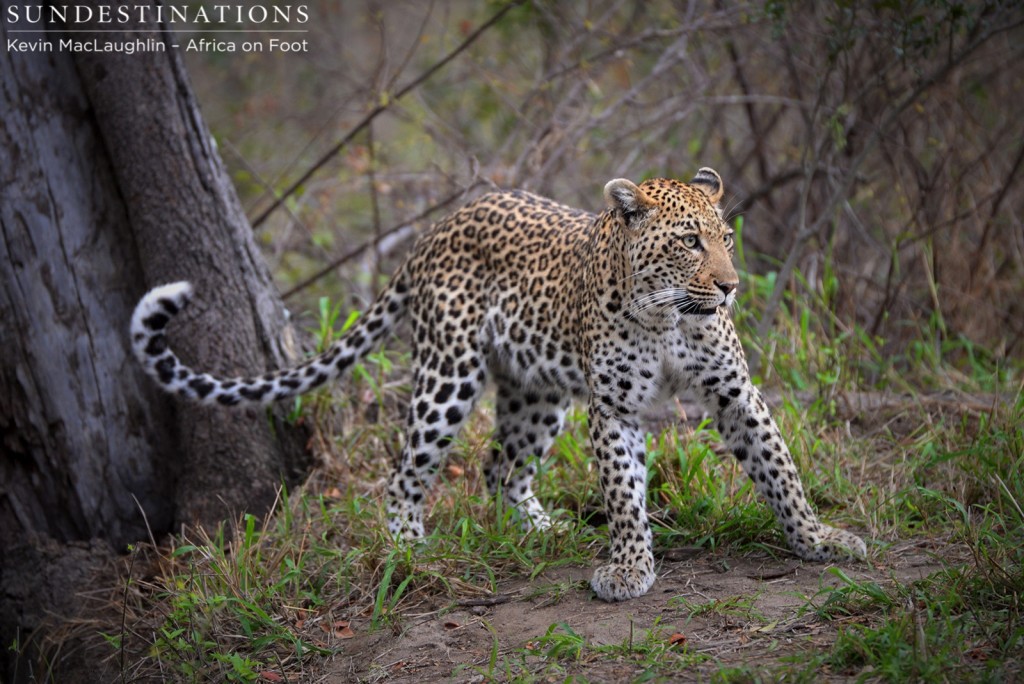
(380, 236)
(381, 107)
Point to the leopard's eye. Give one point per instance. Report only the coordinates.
(727, 238)
(690, 241)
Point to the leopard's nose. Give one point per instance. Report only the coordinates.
(727, 288)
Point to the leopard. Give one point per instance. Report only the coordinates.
(617, 310)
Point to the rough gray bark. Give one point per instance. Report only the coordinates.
(78, 437)
(110, 184)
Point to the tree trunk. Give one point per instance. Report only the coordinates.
(188, 225)
(110, 184)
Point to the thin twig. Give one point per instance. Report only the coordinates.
(492, 600)
(371, 177)
(993, 214)
(384, 103)
(353, 253)
(122, 667)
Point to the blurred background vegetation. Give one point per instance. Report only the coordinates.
(871, 151)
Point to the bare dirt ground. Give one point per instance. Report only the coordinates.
(457, 644)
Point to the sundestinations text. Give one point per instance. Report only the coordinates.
(18, 16)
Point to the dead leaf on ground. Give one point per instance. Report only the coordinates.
(766, 629)
(677, 640)
(339, 629)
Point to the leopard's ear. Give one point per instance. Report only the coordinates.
(626, 197)
(709, 182)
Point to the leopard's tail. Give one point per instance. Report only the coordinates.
(161, 304)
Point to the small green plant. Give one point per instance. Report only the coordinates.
(560, 642)
(697, 497)
(738, 606)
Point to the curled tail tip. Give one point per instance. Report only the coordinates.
(158, 307)
(168, 299)
(179, 293)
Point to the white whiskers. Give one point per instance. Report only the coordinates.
(729, 212)
(672, 300)
(634, 274)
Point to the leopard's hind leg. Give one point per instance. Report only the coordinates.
(527, 423)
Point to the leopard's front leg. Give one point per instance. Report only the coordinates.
(753, 437)
(755, 440)
(619, 451)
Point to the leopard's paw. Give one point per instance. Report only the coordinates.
(835, 545)
(531, 515)
(616, 582)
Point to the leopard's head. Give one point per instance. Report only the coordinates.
(679, 248)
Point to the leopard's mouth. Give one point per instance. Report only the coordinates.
(688, 305)
(690, 309)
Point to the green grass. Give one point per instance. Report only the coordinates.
(964, 622)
